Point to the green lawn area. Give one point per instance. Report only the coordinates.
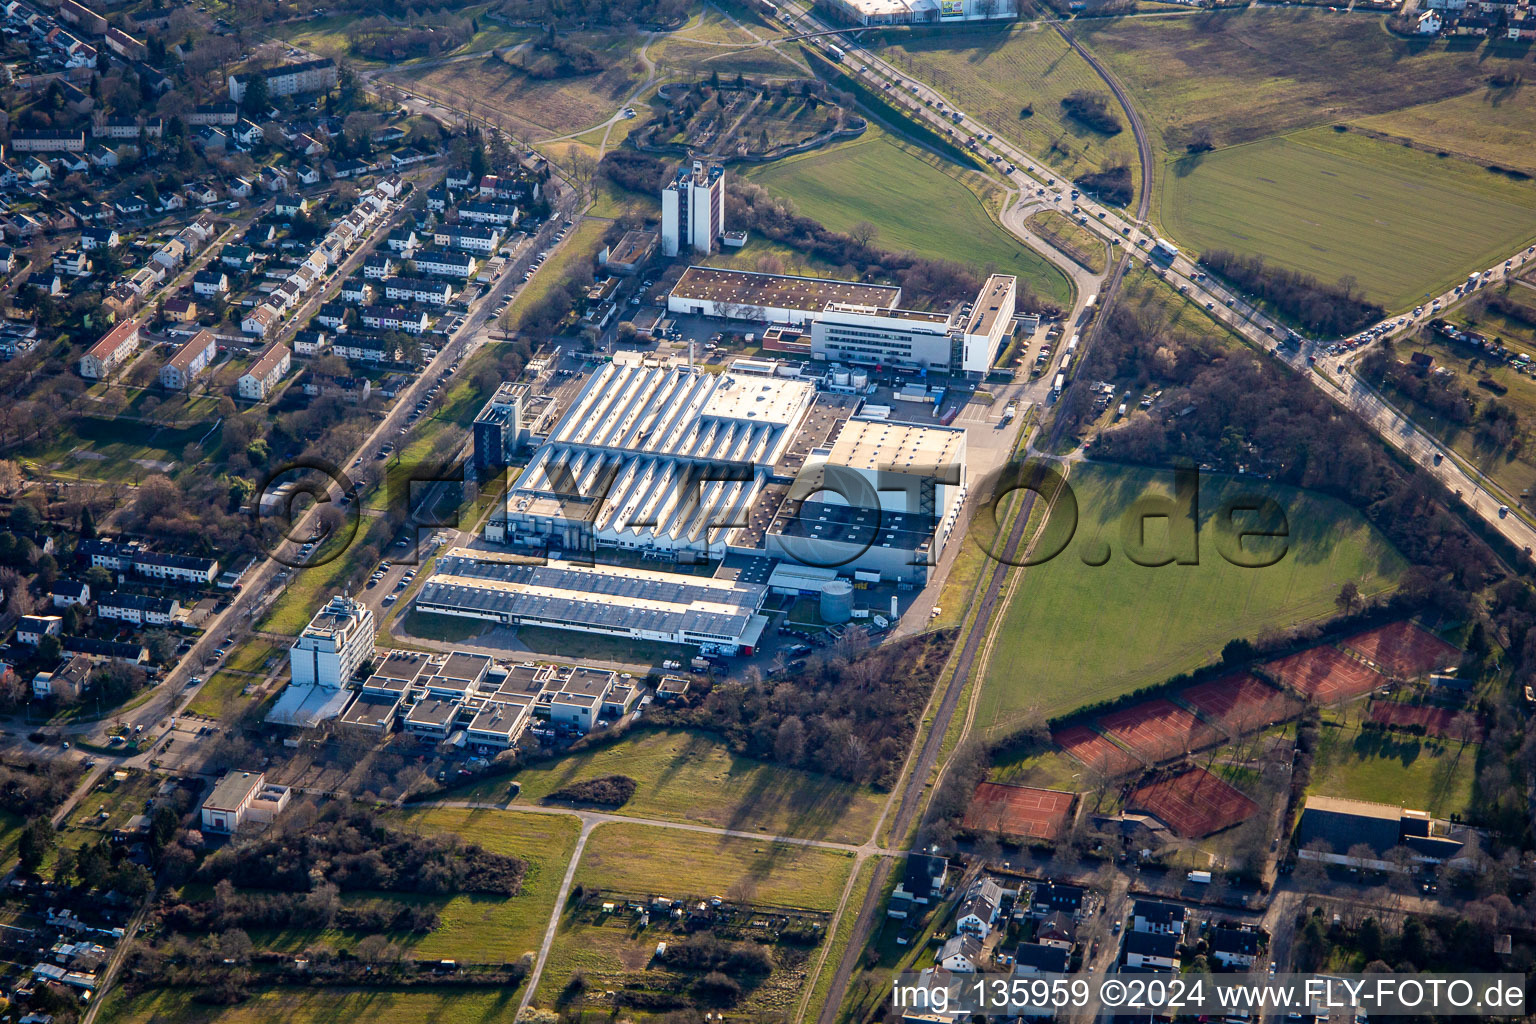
(689, 777)
(11, 826)
(579, 248)
(635, 858)
(1400, 221)
(1071, 238)
(1419, 773)
(994, 73)
(1490, 125)
(317, 1006)
(253, 654)
(471, 929)
(1074, 634)
(219, 697)
(112, 451)
(310, 588)
(921, 203)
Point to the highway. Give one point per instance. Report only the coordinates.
(1131, 234)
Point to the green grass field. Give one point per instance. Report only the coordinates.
(471, 929)
(1416, 772)
(1071, 238)
(1249, 74)
(1073, 634)
(1398, 220)
(220, 698)
(11, 826)
(915, 203)
(317, 1006)
(1489, 125)
(581, 246)
(688, 777)
(992, 74)
(633, 858)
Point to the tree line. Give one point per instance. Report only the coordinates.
(1331, 310)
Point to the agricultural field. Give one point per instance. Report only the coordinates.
(916, 201)
(1249, 74)
(688, 777)
(1489, 125)
(1074, 634)
(995, 75)
(1420, 773)
(1336, 204)
(1085, 247)
(316, 1006)
(471, 928)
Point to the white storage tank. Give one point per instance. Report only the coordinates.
(860, 379)
(837, 601)
(840, 378)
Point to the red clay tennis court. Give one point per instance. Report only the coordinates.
(1241, 703)
(1403, 649)
(1193, 803)
(1325, 674)
(1436, 721)
(1019, 811)
(1094, 750)
(1159, 729)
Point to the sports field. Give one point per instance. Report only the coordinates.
(994, 74)
(1418, 773)
(1194, 803)
(684, 776)
(1402, 649)
(916, 201)
(1324, 674)
(1074, 634)
(1400, 221)
(1019, 810)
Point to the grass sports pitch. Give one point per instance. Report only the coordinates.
(1074, 634)
(1398, 220)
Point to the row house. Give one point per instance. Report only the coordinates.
(394, 318)
(111, 352)
(501, 214)
(138, 609)
(367, 348)
(224, 115)
(416, 289)
(48, 140)
(263, 376)
(190, 362)
(178, 568)
(438, 263)
(482, 240)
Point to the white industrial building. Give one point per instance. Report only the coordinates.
(920, 12)
(323, 659)
(693, 210)
(656, 460)
(771, 298)
(681, 465)
(616, 601)
(858, 323)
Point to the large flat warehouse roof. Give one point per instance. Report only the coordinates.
(777, 291)
(881, 444)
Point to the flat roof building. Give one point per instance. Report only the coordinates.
(614, 600)
(775, 298)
